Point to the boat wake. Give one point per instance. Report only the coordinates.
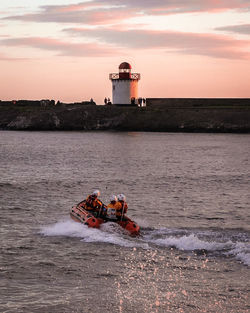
(201, 242)
(108, 233)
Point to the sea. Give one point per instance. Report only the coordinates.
(189, 192)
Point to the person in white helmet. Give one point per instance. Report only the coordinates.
(111, 208)
(122, 208)
(93, 204)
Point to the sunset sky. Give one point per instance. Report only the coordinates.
(65, 50)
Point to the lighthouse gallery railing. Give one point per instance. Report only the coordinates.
(135, 76)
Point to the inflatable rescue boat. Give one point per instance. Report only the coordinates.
(79, 214)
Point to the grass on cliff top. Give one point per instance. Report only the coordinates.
(156, 108)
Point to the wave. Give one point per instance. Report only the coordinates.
(191, 243)
(242, 252)
(207, 241)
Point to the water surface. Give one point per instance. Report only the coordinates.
(189, 193)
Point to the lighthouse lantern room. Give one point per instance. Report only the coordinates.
(124, 85)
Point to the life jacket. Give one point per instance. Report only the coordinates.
(122, 208)
(93, 204)
(112, 210)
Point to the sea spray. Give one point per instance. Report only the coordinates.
(108, 233)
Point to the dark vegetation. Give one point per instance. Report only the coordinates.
(185, 115)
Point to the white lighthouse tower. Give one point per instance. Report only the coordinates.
(124, 85)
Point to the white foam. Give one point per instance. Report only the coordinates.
(64, 228)
(108, 233)
(142, 222)
(113, 234)
(242, 252)
(191, 242)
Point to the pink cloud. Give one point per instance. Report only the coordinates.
(182, 6)
(82, 13)
(110, 11)
(63, 48)
(68, 8)
(240, 29)
(188, 43)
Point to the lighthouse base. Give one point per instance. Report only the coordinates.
(126, 105)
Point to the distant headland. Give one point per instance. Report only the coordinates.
(160, 114)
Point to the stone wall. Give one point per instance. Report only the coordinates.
(197, 102)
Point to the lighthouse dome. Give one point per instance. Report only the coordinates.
(125, 66)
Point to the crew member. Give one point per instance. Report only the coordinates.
(112, 207)
(122, 208)
(93, 204)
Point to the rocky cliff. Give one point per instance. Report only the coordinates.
(190, 118)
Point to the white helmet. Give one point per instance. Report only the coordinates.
(96, 193)
(121, 197)
(113, 198)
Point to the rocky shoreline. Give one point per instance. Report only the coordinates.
(182, 116)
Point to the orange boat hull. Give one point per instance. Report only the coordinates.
(80, 215)
(130, 226)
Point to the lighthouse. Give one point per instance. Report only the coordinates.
(124, 85)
